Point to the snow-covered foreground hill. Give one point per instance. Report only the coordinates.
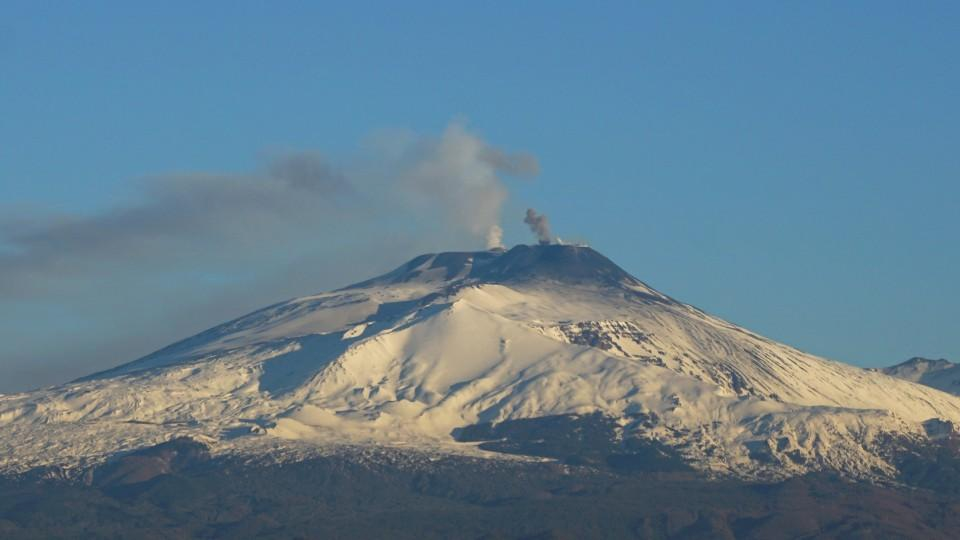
(457, 339)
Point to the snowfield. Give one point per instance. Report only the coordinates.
(454, 339)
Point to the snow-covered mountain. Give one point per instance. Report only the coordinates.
(451, 340)
(940, 374)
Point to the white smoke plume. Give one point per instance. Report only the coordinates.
(494, 237)
(458, 178)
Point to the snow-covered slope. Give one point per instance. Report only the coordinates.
(453, 339)
(940, 374)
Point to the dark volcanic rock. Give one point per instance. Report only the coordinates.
(176, 455)
(576, 265)
(591, 439)
(571, 264)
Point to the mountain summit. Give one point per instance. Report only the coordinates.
(452, 349)
(569, 264)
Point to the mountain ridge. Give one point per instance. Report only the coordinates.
(941, 374)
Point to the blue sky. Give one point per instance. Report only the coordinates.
(790, 167)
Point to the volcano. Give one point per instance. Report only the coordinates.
(452, 352)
